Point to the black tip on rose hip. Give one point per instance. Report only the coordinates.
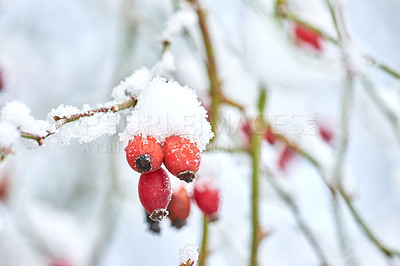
(153, 225)
(144, 163)
(158, 215)
(178, 223)
(188, 176)
(213, 218)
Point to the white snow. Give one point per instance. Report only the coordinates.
(132, 85)
(63, 111)
(87, 129)
(181, 19)
(166, 66)
(8, 134)
(18, 114)
(210, 170)
(189, 252)
(166, 108)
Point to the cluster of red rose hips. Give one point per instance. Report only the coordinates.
(181, 157)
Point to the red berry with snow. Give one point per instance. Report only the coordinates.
(182, 157)
(307, 36)
(155, 193)
(179, 207)
(144, 154)
(207, 197)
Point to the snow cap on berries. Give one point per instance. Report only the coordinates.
(166, 108)
(132, 85)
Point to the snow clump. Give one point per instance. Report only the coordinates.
(166, 108)
(188, 254)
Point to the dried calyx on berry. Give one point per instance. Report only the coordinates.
(155, 193)
(144, 154)
(179, 207)
(153, 226)
(189, 262)
(182, 157)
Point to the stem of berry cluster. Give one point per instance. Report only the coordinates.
(204, 242)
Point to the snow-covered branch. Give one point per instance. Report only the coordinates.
(61, 121)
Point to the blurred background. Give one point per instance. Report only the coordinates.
(77, 205)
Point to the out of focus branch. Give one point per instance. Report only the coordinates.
(284, 12)
(367, 231)
(347, 100)
(68, 119)
(382, 106)
(303, 226)
(342, 32)
(334, 189)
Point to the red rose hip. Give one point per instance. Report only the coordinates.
(155, 193)
(179, 207)
(269, 136)
(207, 197)
(285, 158)
(182, 157)
(307, 36)
(144, 154)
